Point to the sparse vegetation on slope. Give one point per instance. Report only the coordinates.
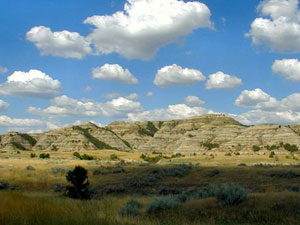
(99, 144)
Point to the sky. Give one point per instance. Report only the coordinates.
(68, 62)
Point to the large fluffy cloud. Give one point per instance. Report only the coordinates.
(267, 109)
(279, 29)
(63, 43)
(3, 105)
(221, 80)
(146, 25)
(33, 83)
(25, 125)
(254, 99)
(176, 75)
(114, 72)
(287, 68)
(65, 106)
(179, 111)
(259, 116)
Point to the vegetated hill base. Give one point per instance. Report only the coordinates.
(177, 190)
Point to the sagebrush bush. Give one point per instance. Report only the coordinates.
(118, 169)
(160, 205)
(131, 208)
(44, 156)
(231, 194)
(205, 192)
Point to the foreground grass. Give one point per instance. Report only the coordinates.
(18, 208)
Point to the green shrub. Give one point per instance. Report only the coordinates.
(255, 148)
(272, 154)
(209, 145)
(114, 157)
(160, 205)
(32, 155)
(151, 159)
(86, 157)
(118, 169)
(44, 156)
(80, 185)
(291, 148)
(273, 147)
(231, 194)
(204, 192)
(83, 157)
(76, 154)
(131, 208)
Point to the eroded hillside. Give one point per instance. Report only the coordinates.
(214, 132)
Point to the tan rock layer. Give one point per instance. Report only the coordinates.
(161, 136)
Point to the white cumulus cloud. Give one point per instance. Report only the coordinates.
(146, 25)
(114, 72)
(63, 43)
(193, 101)
(254, 98)
(33, 83)
(176, 75)
(279, 26)
(221, 80)
(287, 68)
(64, 106)
(179, 111)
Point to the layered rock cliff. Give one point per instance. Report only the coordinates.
(195, 134)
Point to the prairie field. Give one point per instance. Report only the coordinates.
(35, 187)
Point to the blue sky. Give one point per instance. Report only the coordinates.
(67, 62)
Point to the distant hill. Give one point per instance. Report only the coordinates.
(213, 132)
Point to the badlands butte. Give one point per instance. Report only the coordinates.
(214, 132)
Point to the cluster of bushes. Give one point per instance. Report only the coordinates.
(149, 159)
(159, 156)
(44, 156)
(83, 157)
(272, 147)
(290, 148)
(226, 195)
(209, 145)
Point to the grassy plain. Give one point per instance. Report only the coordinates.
(271, 182)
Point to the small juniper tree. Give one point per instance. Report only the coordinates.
(80, 185)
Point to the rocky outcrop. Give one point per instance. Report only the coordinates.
(16, 141)
(196, 134)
